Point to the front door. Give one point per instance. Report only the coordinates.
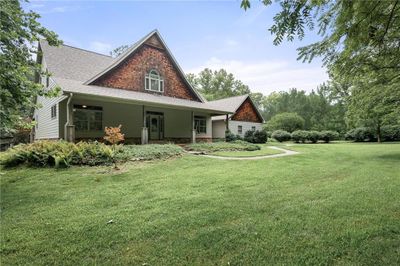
(155, 126)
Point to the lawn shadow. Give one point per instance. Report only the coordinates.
(390, 156)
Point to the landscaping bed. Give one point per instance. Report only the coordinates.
(237, 145)
(265, 150)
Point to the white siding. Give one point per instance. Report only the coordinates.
(47, 127)
(219, 127)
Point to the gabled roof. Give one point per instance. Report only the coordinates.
(232, 104)
(120, 59)
(73, 63)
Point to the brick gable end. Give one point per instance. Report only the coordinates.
(130, 74)
(247, 112)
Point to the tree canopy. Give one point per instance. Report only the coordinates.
(285, 121)
(19, 34)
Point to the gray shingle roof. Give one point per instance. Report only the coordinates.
(73, 63)
(77, 87)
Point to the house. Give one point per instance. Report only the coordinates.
(244, 117)
(144, 90)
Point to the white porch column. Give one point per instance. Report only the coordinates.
(69, 128)
(145, 133)
(193, 131)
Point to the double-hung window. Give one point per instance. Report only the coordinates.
(240, 130)
(54, 111)
(88, 118)
(253, 128)
(200, 124)
(154, 82)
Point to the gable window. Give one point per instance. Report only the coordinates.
(200, 124)
(88, 118)
(54, 111)
(154, 82)
(240, 130)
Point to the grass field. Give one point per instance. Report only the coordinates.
(265, 150)
(331, 204)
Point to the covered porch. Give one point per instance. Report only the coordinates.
(84, 117)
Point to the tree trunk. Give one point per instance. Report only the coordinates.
(378, 132)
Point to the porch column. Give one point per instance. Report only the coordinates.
(227, 122)
(145, 135)
(69, 128)
(193, 131)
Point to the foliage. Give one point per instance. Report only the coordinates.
(20, 31)
(119, 50)
(360, 134)
(281, 135)
(286, 121)
(58, 154)
(214, 85)
(114, 135)
(313, 136)
(391, 133)
(237, 145)
(148, 152)
(256, 136)
(328, 135)
(300, 136)
(229, 136)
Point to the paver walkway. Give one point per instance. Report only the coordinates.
(285, 153)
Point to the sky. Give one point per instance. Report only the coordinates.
(200, 34)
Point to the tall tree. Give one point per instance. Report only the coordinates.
(214, 85)
(19, 34)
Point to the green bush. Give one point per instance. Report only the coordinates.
(238, 145)
(256, 136)
(229, 136)
(65, 154)
(286, 121)
(313, 136)
(148, 152)
(300, 136)
(391, 133)
(249, 136)
(360, 134)
(328, 135)
(281, 135)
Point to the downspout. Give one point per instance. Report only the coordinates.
(68, 118)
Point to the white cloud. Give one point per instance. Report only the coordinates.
(100, 47)
(269, 76)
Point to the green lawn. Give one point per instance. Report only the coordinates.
(265, 150)
(331, 204)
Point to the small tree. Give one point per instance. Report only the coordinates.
(114, 136)
(286, 121)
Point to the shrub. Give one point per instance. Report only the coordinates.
(286, 121)
(360, 134)
(390, 133)
(300, 136)
(113, 135)
(260, 136)
(148, 152)
(313, 136)
(238, 145)
(328, 135)
(281, 135)
(229, 136)
(249, 136)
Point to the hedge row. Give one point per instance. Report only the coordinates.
(65, 154)
(237, 145)
(303, 136)
(252, 136)
(388, 133)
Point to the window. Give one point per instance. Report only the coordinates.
(54, 111)
(154, 82)
(253, 128)
(240, 129)
(88, 118)
(200, 124)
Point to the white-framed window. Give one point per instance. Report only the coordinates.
(154, 82)
(240, 130)
(253, 128)
(88, 118)
(54, 111)
(200, 124)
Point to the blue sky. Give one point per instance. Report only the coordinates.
(214, 34)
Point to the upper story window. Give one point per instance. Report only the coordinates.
(154, 82)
